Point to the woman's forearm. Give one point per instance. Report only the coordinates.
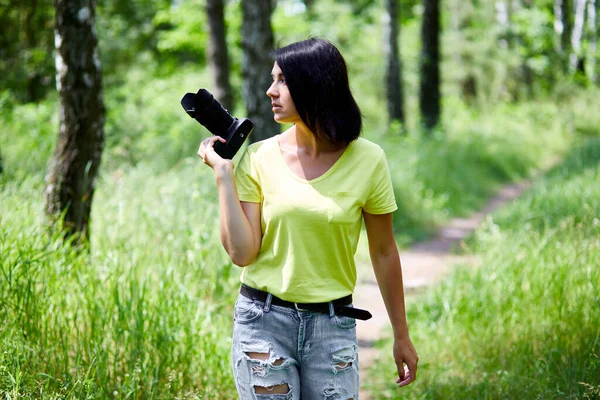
(236, 232)
(389, 278)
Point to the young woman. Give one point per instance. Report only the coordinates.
(291, 214)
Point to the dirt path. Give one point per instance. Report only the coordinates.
(422, 264)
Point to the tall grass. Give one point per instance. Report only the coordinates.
(144, 314)
(525, 323)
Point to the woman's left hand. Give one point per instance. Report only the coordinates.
(406, 359)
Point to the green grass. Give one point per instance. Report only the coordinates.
(458, 169)
(144, 314)
(525, 323)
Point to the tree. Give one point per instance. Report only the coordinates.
(395, 101)
(576, 59)
(462, 16)
(593, 34)
(71, 176)
(563, 27)
(429, 94)
(309, 4)
(257, 43)
(217, 52)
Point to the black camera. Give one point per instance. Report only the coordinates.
(204, 108)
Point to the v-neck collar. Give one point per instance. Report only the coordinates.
(318, 178)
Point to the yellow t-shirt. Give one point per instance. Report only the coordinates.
(311, 228)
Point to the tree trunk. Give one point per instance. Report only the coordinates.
(257, 43)
(429, 96)
(309, 5)
(217, 52)
(71, 176)
(563, 27)
(593, 39)
(576, 60)
(395, 98)
(33, 78)
(461, 18)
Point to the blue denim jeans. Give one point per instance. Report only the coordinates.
(306, 354)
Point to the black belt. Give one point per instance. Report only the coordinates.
(339, 305)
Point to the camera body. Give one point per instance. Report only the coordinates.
(205, 109)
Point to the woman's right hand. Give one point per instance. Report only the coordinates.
(209, 156)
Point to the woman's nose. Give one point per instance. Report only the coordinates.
(271, 92)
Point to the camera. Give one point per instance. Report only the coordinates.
(205, 109)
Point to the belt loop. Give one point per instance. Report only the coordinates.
(267, 306)
(331, 309)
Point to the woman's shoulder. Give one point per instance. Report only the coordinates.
(263, 146)
(367, 147)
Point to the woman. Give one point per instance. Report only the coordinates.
(291, 215)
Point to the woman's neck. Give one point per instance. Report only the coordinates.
(301, 137)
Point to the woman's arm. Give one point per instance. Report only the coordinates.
(241, 232)
(388, 272)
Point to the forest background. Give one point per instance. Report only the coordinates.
(142, 307)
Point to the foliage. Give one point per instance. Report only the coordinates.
(127, 34)
(26, 48)
(187, 36)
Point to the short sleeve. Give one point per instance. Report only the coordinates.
(247, 180)
(381, 198)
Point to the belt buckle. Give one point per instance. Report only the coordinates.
(299, 308)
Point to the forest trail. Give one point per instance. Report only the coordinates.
(423, 264)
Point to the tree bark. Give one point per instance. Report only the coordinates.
(395, 95)
(309, 5)
(429, 96)
(461, 19)
(563, 28)
(593, 39)
(217, 52)
(257, 43)
(576, 59)
(71, 176)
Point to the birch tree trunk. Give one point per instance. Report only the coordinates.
(72, 173)
(576, 60)
(429, 93)
(593, 39)
(217, 52)
(257, 43)
(394, 92)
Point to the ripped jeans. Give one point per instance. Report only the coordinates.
(279, 353)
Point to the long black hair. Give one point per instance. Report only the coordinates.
(317, 78)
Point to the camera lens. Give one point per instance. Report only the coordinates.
(211, 114)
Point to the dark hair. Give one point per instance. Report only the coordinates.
(317, 77)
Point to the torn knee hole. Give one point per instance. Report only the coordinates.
(264, 357)
(275, 389)
(343, 365)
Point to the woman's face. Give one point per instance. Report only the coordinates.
(284, 109)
